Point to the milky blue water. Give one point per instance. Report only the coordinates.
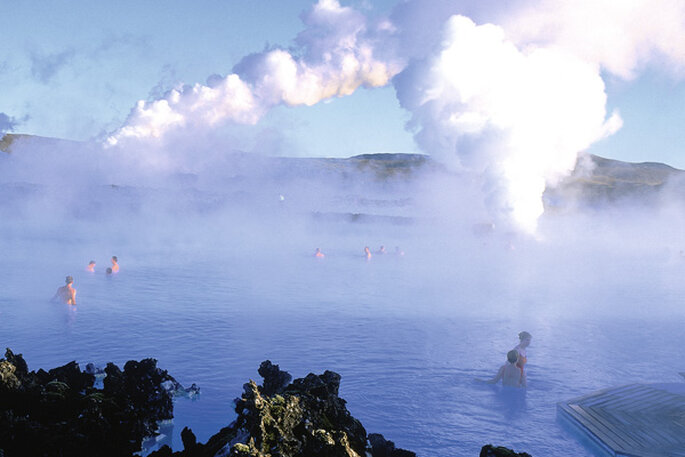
(408, 334)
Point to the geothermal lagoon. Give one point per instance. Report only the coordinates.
(218, 275)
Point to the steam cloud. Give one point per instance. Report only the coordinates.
(621, 37)
(518, 117)
(513, 103)
(519, 101)
(338, 58)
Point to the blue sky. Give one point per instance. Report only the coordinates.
(653, 112)
(75, 69)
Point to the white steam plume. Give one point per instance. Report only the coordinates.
(517, 102)
(520, 117)
(621, 36)
(338, 58)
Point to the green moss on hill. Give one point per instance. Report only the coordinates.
(8, 139)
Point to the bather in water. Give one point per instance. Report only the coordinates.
(524, 342)
(66, 294)
(510, 374)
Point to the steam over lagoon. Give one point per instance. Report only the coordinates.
(217, 276)
(498, 216)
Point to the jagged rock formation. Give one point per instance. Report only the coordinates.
(380, 447)
(305, 418)
(491, 451)
(61, 413)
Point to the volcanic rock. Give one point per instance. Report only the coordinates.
(305, 418)
(380, 447)
(275, 380)
(491, 451)
(61, 413)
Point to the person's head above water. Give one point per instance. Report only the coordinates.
(108, 271)
(69, 280)
(92, 262)
(512, 356)
(114, 259)
(525, 338)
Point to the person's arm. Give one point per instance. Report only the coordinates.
(498, 376)
(73, 296)
(523, 379)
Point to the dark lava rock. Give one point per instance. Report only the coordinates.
(275, 380)
(491, 451)
(380, 447)
(189, 440)
(61, 413)
(305, 418)
(18, 361)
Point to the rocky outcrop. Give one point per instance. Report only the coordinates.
(305, 418)
(61, 413)
(275, 380)
(380, 447)
(491, 451)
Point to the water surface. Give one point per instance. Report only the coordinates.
(409, 334)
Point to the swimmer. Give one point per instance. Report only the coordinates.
(66, 293)
(381, 250)
(91, 266)
(524, 342)
(509, 373)
(398, 251)
(318, 254)
(108, 271)
(367, 253)
(115, 264)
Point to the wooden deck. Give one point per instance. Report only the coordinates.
(638, 420)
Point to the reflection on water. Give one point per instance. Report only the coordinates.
(71, 315)
(408, 334)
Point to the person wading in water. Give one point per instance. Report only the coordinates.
(66, 293)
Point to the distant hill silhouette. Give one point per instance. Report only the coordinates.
(599, 180)
(11, 141)
(594, 180)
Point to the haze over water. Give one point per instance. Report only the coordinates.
(219, 275)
